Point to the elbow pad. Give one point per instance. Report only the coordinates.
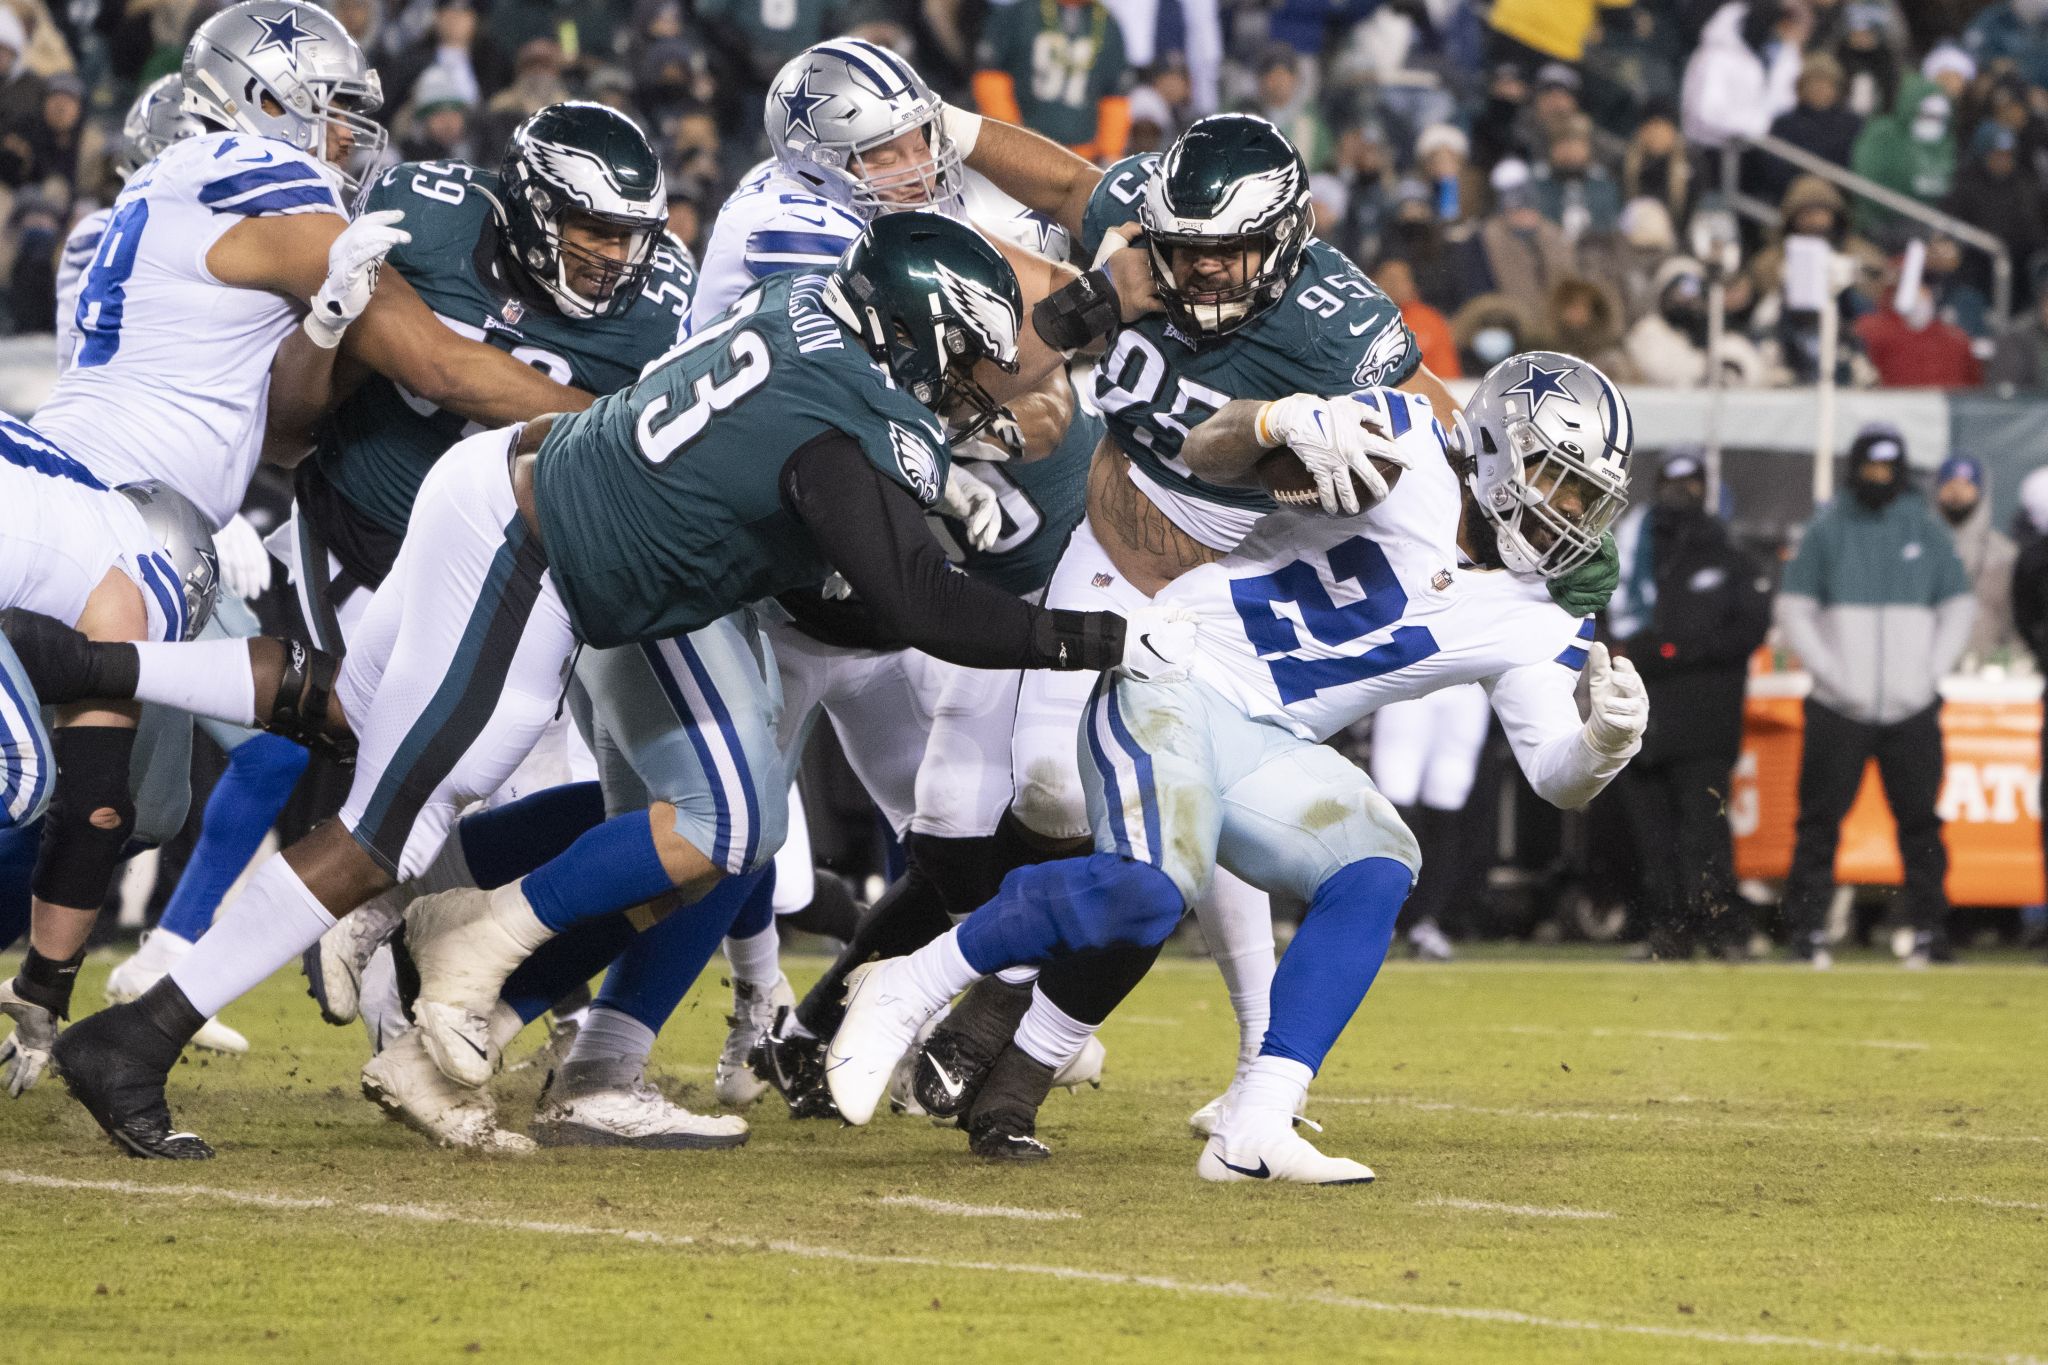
(1085, 311)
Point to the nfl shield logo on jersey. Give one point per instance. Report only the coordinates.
(512, 312)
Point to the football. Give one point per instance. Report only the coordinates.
(1290, 484)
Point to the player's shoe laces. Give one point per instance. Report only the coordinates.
(610, 1103)
(135, 974)
(1003, 1125)
(954, 1062)
(403, 1081)
(794, 1065)
(114, 1063)
(754, 1011)
(882, 1020)
(465, 942)
(335, 965)
(25, 1056)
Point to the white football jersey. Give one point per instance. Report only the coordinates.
(170, 368)
(79, 249)
(1315, 621)
(774, 222)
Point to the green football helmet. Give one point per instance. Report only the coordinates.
(929, 299)
(1230, 183)
(590, 160)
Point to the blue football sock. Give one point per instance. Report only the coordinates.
(658, 968)
(506, 842)
(1333, 959)
(610, 868)
(245, 803)
(758, 911)
(18, 849)
(565, 962)
(1048, 909)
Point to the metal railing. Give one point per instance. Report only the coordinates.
(1865, 188)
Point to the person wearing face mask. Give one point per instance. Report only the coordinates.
(1962, 494)
(1669, 345)
(1878, 606)
(1912, 150)
(1691, 610)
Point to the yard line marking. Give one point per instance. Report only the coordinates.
(1508, 1317)
(1990, 1203)
(1694, 1036)
(1149, 1020)
(1691, 1120)
(1488, 1206)
(915, 1201)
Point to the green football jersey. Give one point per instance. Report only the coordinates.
(379, 444)
(1064, 60)
(1333, 332)
(1042, 501)
(661, 506)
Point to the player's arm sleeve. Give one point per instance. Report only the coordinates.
(872, 530)
(1538, 708)
(1364, 345)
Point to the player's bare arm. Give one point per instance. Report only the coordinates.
(1027, 166)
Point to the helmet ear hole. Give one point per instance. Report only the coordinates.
(1486, 441)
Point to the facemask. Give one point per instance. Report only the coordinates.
(1958, 515)
(1875, 496)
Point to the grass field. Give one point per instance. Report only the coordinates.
(1578, 1161)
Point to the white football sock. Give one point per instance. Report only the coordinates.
(608, 1035)
(938, 971)
(1237, 921)
(1018, 976)
(206, 677)
(1273, 1089)
(757, 960)
(1050, 1035)
(274, 920)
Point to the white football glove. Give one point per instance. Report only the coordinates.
(1332, 438)
(26, 1053)
(972, 503)
(244, 563)
(352, 265)
(1620, 705)
(1159, 644)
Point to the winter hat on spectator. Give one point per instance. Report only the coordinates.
(1948, 58)
(1149, 106)
(1558, 76)
(438, 88)
(1877, 443)
(1646, 225)
(1511, 185)
(1683, 462)
(1441, 136)
(2034, 498)
(1960, 467)
(1993, 137)
(1409, 190)
(65, 83)
(12, 35)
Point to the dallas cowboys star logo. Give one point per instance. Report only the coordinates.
(1540, 384)
(799, 105)
(281, 34)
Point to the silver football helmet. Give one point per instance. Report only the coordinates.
(288, 70)
(187, 543)
(1547, 437)
(836, 103)
(154, 122)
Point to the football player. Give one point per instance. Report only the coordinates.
(1311, 623)
(795, 436)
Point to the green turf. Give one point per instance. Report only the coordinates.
(1798, 1167)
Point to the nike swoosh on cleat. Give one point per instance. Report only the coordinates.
(951, 1086)
(1257, 1173)
(471, 1044)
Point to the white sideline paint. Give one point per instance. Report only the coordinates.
(1690, 1120)
(915, 1201)
(1503, 1317)
(1527, 1210)
(1990, 1203)
(1689, 1036)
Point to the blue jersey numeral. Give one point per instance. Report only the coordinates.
(103, 294)
(1272, 633)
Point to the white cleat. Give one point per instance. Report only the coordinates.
(1083, 1068)
(465, 942)
(881, 1023)
(1203, 1122)
(134, 975)
(403, 1081)
(1276, 1153)
(753, 1014)
(335, 965)
(610, 1103)
(1428, 942)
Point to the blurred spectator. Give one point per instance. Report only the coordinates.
(1869, 53)
(1669, 346)
(1553, 107)
(1910, 150)
(1691, 610)
(21, 97)
(1916, 349)
(1658, 165)
(1645, 239)
(1573, 190)
(1286, 100)
(1813, 207)
(1369, 190)
(1992, 192)
(1962, 496)
(36, 225)
(1951, 70)
(1585, 321)
(1057, 67)
(439, 126)
(2020, 357)
(1418, 238)
(474, 64)
(1433, 339)
(1457, 188)
(1878, 607)
(1491, 328)
(672, 80)
(1957, 299)
(1521, 253)
(1153, 126)
(594, 30)
(1819, 124)
(537, 83)
(50, 141)
(1185, 35)
(1532, 31)
(613, 88)
(686, 213)
(2014, 33)
(1497, 128)
(1741, 77)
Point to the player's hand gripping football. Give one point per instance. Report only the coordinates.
(1337, 441)
(1159, 644)
(352, 265)
(1620, 705)
(972, 503)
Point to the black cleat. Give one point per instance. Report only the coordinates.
(1003, 1125)
(955, 1061)
(105, 1063)
(795, 1067)
(1000, 1141)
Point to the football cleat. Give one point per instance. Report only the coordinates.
(465, 942)
(1083, 1068)
(335, 965)
(903, 1080)
(1265, 1150)
(1203, 1121)
(25, 1056)
(403, 1081)
(610, 1103)
(754, 1011)
(882, 1020)
(794, 1065)
(1003, 1125)
(104, 1062)
(1007, 1139)
(955, 1060)
(1428, 942)
(137, 973)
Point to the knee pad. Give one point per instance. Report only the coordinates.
(92, 813)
